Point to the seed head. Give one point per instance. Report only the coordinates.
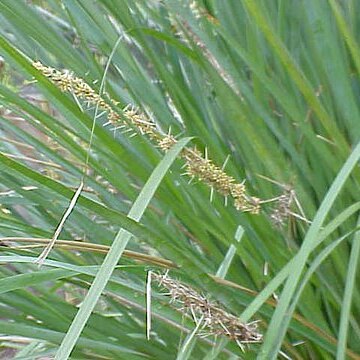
(216, 321)
(197, 166)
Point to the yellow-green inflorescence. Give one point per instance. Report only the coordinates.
(197, 166)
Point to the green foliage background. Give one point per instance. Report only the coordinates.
(273, 84)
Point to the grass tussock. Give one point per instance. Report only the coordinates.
(166, 112)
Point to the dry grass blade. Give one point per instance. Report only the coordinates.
(84, 246)
(148, 304)
(57, 232)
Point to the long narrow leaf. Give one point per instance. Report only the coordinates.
(282, 315)
(348, 293)
(115, 252)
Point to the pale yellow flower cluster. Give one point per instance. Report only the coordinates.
(197, 166)
(77, 86)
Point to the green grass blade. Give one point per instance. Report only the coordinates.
(55, 337)
(272, 286)
(348, 293)
(296, 74)
(224, 267)
(115, 252)
(282, 315)
(347, 35)
(11, 283)
(189, 343)
(64, 191)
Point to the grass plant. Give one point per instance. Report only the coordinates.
(216, 144)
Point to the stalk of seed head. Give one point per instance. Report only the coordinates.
(197, 166)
